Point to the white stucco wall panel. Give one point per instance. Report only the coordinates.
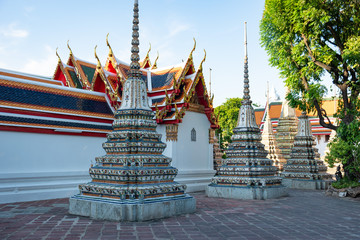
(32, 152)
(193, 154)
(44, 166)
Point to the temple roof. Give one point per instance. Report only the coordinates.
(328, 104)
(27, 105)
(82, 96)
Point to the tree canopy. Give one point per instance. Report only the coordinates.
(305, 39)
(227, 116)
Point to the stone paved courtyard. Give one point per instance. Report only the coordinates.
(301, 215)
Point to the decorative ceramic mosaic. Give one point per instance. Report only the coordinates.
(133, 167)
(304, 162)
(246, 163)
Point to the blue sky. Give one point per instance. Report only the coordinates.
(31, 30)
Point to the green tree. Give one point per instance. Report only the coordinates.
(227, 116)
(305, 39)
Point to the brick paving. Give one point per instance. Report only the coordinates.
(304, 214)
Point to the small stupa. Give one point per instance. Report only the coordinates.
(246, 173)
(133, 181)
(286, 130)
(304, 170)
(269, 140)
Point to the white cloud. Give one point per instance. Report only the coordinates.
(177, 28)
(29, 9)
(45, 66)
(12, 31)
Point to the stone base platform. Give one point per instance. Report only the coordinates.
(131, 210)
(306, 184)
(259, 193)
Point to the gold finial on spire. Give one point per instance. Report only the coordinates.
(58, 55)
(71, 53)
(200, 68)
(193, 49)
(97, 58)
(108, 44)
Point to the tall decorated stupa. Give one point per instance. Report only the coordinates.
(246, 173)
(286, 130)
(133, 181)
(304, 170)
(269, 140)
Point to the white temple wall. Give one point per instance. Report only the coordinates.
(321, 143)
(193, 159)
(44, 166)
(198, 150)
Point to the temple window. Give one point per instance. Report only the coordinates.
(193, 135)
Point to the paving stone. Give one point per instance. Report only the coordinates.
(305, 214)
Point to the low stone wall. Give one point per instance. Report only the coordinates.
(343, 192)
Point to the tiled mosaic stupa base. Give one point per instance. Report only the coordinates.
(246, 173)
(133, 181)
(304, 170)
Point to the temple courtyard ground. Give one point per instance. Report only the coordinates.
(304, 214)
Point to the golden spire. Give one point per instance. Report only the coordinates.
(210, 82)
(108, 44)
(200, 68)
(147, 54)
(58, 55)
(97, 58)
(193, 49)
(71, 53)
(154, 66)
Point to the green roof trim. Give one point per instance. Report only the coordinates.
(89, 72)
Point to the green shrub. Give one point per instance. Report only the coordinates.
(345, 183)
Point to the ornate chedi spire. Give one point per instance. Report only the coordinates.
(135, 91)
(133, 181)
(286, 129)
(269, 140)
(246, 173)
(303, 169)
